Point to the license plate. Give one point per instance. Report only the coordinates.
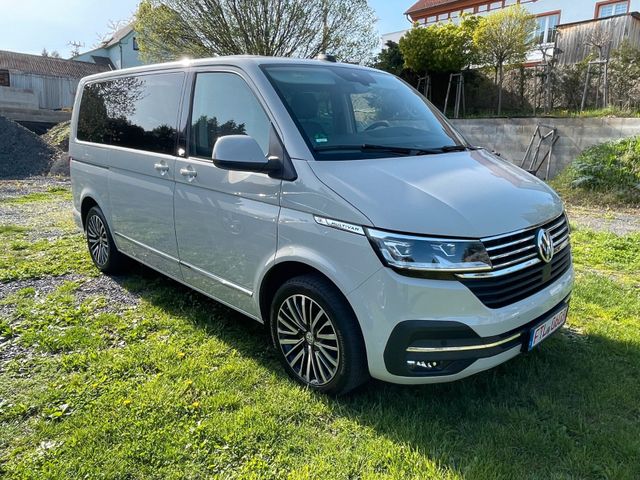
(546, 328)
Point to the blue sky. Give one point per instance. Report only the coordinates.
(28, 26)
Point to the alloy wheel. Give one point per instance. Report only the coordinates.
(98, 241)
(308, 340)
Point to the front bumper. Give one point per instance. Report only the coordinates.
(436, 349)
(398, 312)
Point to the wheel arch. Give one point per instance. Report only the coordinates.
(280, 272)
(88, 202)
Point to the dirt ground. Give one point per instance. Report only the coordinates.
(620, 222)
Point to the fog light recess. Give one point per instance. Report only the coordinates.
(426, 365)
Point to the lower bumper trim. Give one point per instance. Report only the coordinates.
(419, 348)
(463, 348)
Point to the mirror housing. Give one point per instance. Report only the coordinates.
(242, 152)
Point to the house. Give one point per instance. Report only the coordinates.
(35, 89)
(119, 51)
(550, 14)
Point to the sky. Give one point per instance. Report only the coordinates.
(28, 26)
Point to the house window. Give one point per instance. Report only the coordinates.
(546, 27)
(483, 8)
(508, 3)
(495, 5)
(608, 9)
(4, 78)
(431, 19)
(135, 44)
(469, 11)
(443, 16)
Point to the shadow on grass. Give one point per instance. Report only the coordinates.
(568, 409)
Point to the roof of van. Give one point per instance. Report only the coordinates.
(234, 60)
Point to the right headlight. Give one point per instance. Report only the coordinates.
(425, 254)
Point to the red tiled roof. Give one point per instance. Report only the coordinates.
(424, 4)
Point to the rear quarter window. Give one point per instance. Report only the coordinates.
(139, 112)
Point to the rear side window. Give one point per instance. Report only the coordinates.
(223, 104)
(137, 112)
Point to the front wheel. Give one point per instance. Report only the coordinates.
(102, 248)
(317, 335)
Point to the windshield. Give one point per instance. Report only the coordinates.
(347, 113)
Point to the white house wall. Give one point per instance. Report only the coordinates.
(122, 54)
(570, 11)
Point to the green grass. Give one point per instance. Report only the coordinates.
(51, 194)
(178, 386)
(22, 258)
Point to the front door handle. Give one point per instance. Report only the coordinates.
(189, 172)
(163, 168)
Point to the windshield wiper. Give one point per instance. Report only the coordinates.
(457, 148)
(367, 147)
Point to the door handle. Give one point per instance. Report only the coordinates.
(163, 168)
(189, 172)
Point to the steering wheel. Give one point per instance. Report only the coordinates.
(375, 125)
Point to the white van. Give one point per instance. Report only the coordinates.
(331, 202)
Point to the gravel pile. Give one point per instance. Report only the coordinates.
(22, 152)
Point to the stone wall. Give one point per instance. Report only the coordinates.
(511, 136)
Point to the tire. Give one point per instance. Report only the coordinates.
(317, 336)
(102, 248)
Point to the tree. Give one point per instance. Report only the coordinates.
(445, 47)
(504, 38)
(170, 29)
(390, 59)
(75, 47)
(52, 54)
(624, 76)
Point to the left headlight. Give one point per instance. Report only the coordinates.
(425, 254)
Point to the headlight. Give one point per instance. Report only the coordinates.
(409, 252)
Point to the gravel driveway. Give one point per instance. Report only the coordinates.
(48, 220)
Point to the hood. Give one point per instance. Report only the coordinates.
(461, 194)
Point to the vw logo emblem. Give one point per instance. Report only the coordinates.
(544, 242)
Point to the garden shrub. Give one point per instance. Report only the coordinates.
(611, 167)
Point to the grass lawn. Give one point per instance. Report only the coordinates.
(143, 378)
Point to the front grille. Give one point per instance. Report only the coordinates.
(518, 272)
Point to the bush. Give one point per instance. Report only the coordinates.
(58, 136)
(611, 168)
(624, 77)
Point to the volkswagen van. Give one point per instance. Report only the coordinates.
(330, 202)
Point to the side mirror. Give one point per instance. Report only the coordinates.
(242, 152)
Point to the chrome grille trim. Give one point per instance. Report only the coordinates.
(501, 272)
(517, 260)
(560, 232)
(559, 218)
(515, 254)
(561, 221)
(516, 242)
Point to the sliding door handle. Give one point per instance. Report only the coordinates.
(163, 168)
(189, 173)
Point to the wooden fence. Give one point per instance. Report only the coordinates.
(575, 39)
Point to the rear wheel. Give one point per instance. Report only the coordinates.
(102, 248)
(317, 336)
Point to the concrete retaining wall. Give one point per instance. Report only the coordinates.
(511, 136)
(34, 115)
